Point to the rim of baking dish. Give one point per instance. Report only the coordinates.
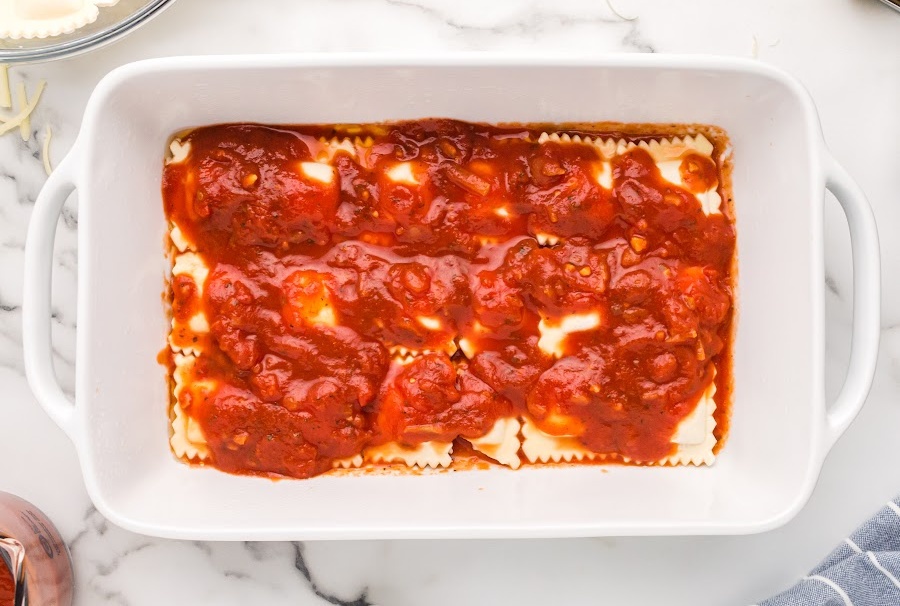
(820, 442)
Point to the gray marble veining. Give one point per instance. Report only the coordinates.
(847, 54)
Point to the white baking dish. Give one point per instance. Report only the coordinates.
(781, 425)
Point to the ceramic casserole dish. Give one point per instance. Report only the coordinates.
(781, 426)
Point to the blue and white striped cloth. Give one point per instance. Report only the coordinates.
(863, 571)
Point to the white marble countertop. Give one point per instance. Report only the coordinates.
(847, 52)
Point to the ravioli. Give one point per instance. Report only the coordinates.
(426, 454)
(501, 443)
(694, 440)
(44, 18)
(187, 439)
(348, 297)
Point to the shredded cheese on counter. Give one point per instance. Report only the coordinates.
(25, 124)
(24, 113)
(22, 119)
(5, 92)
(45, 151)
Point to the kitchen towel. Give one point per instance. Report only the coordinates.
(864, 570)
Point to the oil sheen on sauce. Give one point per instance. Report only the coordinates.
(445, 252)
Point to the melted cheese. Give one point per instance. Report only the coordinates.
(501, 443)
(402, 172)
(199, 324)
(554, 333)
(318, 171)
(178, 239)
(433, 324)
(325, 316)
(314, 308)
(489, 240)
(467, 345)
(604, 175)
(378, 238)
(430, 322)
(468, 348)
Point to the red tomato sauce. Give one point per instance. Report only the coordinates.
(457, 247)
(7, 586)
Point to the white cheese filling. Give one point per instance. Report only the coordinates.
(402, 173)
(554, 332)
(318, 171)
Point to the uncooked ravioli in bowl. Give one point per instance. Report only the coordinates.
(44, 18)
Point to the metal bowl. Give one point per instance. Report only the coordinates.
(112, 23)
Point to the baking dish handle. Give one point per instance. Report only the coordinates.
(866, 299)
(36, 313)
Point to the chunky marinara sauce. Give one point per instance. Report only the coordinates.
(7, 586)
(452, 241)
